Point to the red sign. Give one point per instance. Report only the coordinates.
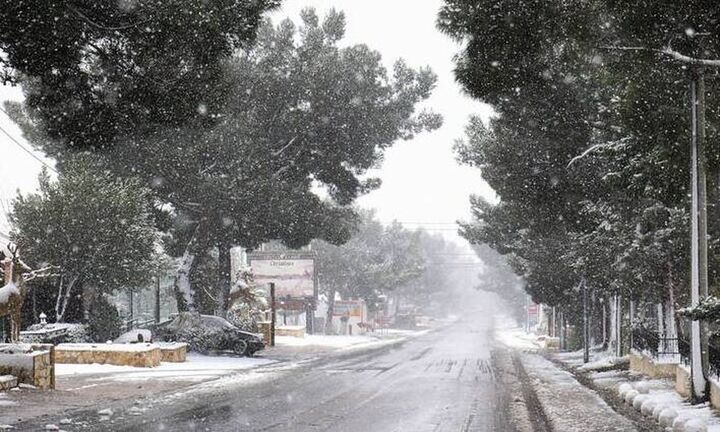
(533, 309)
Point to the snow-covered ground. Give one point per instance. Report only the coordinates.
(323, 340)
(197, 367)
(598, 359)
(655, 398)
(568, 405)
(509, 334)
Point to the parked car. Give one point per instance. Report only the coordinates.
(208, 333)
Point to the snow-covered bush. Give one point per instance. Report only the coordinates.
(630, 396)
(667, 416)
(244, 317)
(104, 321)
(648, 406)
(707, 309)
(639, 400)
(642, 387)
(247, 301)
(57, 333)
(623, 389)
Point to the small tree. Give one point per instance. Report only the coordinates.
(96, 228)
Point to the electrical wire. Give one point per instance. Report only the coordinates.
(25, 149)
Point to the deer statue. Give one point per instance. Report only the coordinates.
(12, 294)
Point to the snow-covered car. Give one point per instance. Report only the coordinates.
(208, 333)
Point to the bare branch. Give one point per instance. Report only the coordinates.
(691, 60)
(99, 26)
(668, 52)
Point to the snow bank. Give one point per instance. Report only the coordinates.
(607, 362)
(197, 367)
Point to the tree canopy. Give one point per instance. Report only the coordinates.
(94, 227)
(588, 150)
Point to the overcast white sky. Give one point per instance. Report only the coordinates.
(422, 183)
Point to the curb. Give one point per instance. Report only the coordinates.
(619, 404)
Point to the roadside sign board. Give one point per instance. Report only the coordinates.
(292, 273)
(533, 309)
(349, 308)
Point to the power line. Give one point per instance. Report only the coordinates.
(28, 151)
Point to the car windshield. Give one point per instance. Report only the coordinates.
(359, 215)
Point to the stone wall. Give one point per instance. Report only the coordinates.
(293, 331)
(682, 381)
(145, 355)
(644, 365)
(714, 394)
(173, 352)
(32, 364)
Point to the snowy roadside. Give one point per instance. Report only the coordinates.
(566, 404)
(655, 399)
(602, 394)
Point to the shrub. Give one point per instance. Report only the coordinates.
(104, 321)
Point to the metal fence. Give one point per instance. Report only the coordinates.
(714, 360)
(661, 347)
(675, 349)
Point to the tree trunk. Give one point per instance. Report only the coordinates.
(63, 299)
(224, 276)
(604, 324)
(330, 311)
(184, 292)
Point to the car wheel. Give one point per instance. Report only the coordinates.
(240, 347)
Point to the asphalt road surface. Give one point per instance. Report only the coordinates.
(441, 381)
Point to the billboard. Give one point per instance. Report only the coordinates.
(293, 275)
(349, 308)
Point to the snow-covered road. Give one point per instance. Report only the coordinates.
(440, 381)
